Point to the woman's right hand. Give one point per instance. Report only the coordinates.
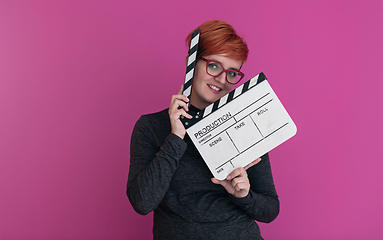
(177, 108)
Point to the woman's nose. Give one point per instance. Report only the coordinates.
(221, 78)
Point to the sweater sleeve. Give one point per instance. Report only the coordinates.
(262, 203)
(151, 166)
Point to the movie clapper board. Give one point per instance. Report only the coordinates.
(241, 126)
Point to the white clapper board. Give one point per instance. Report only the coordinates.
(239, 127)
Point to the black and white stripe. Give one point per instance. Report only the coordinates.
(191, 63)
(224, 100)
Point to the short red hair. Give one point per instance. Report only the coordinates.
(219, 37)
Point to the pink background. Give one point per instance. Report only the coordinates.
(76, 75)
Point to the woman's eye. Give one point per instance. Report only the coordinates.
(213, 65)
(232, 74)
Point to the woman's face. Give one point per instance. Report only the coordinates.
(207, 89)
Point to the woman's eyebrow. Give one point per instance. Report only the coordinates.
(222, 65)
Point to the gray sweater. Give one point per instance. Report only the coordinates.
(167, 175)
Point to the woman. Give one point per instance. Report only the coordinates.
(167, 175)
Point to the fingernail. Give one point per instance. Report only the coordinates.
(228, 177)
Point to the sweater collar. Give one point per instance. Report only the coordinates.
(193, 109)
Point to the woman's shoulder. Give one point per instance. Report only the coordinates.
(156, 116)
(153, 126)
(154, 120)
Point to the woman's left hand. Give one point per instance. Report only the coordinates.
(237, 183)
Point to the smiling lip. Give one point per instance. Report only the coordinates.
(214, 88)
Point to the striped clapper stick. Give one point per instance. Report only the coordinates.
(192, 59)
(240, 127)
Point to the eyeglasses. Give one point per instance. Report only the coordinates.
(215, 69)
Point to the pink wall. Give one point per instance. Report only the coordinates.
(76, 75)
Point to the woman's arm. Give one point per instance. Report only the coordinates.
(151, 167)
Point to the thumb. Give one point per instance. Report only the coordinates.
(221, 182)
(216, 181)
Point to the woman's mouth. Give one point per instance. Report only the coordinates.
(215, 88)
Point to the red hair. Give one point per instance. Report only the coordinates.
(219, 37)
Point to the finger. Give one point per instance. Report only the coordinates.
(237, 172)
(179, 97)
(179, 104)
(239, 183)
(181, 89)
(185, 114)
(221, 182)
(241, 186)
(238, 180)
(215, 181)
(176, 114)
(252, 163)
